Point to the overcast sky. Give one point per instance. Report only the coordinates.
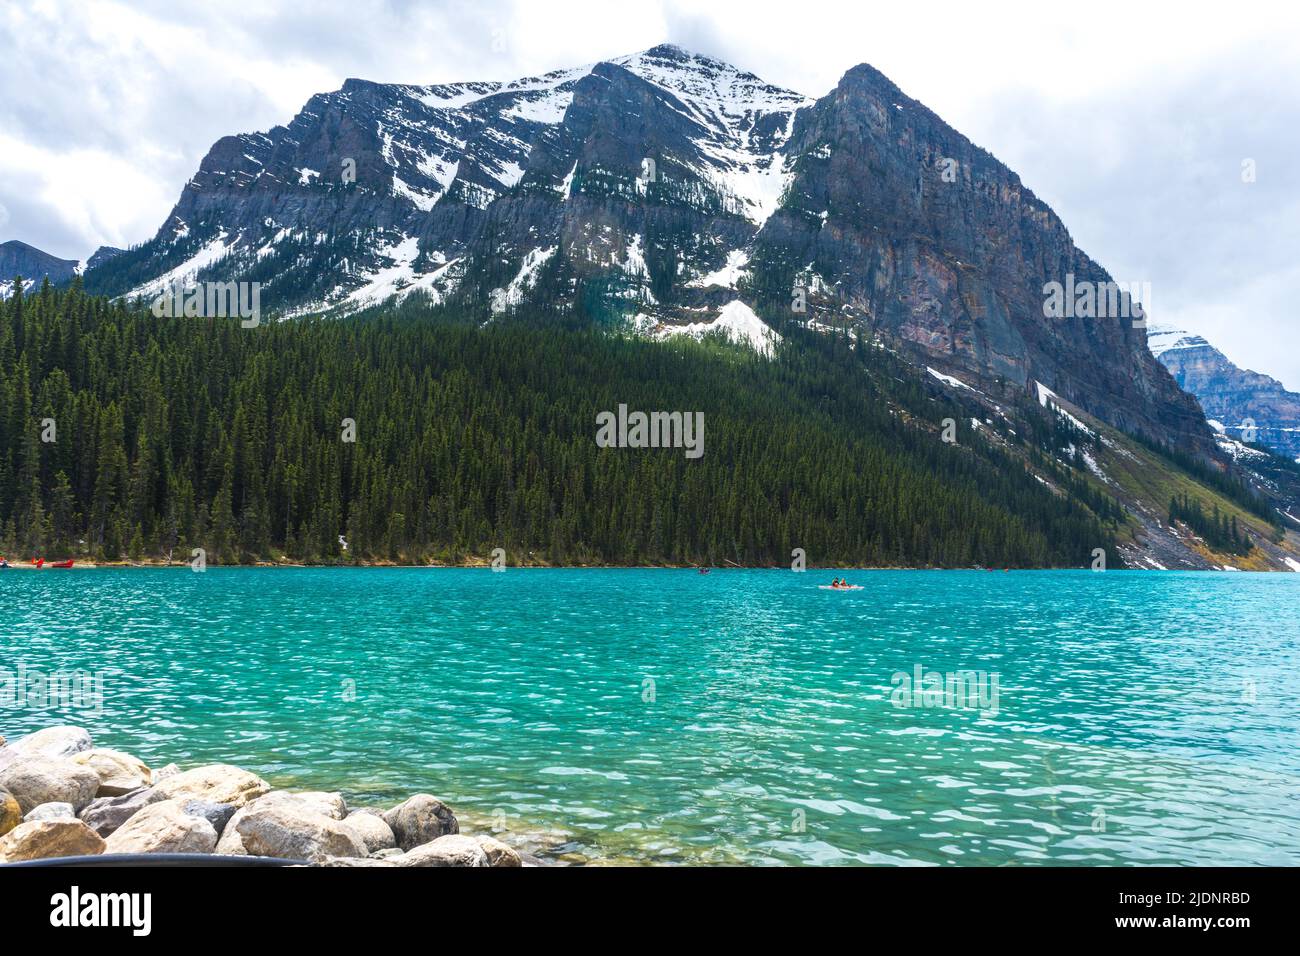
(1132, 123)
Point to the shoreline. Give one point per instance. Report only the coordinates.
(62, 796)
(89, 565)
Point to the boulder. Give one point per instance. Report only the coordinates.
(42, 839)
(353, 861)
(420, 820)
(218, 783)
(34, 780)
(387, 854)
(162, 773)
(452, 850)
(53, 742)
(329, 805)
(230, 844)
(119, 773)
(295, 832)
(371, 829)
(498, 854)
(10, 813)
(218, 814)
(51, 811)
(108, 813)
(163, 827)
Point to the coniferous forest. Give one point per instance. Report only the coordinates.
(128, 437)
(1218, 530)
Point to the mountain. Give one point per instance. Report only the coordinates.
(20, 259)
(894, 391)
(1239, 402)
(102, 255)
(674, 193)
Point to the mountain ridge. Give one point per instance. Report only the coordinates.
(1256, 406)
(21, 259)
(657, 189)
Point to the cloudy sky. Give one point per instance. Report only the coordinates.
(1133, 123)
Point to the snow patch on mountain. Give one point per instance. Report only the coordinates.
(738, 322)
(948, 379)
(211, 252)
(1162, 339)
(728, 105)
(727, 276)
(1049, 399)
(566, 186)
(386, 282)
(422, 200)
(548, 108)
(1237, 450)
(526, 278)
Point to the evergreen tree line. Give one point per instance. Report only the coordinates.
(175, 433)
(1215, 528)
(1227, 483)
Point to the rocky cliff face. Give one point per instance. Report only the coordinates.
(102, 255)
(910, 226)
(20, 259)
(1245, 404)
(673, 191)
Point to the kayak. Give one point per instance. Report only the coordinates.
(835, 587)
(62, 564)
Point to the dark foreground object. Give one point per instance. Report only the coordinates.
(1219, 907)
(105, 860)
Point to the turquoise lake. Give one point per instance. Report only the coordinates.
(663, 716)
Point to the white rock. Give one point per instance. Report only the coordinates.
(452, 850)
(498, 853)
(371, 829)
(217, 783)
(283, 829)
(54, 742)
(419, 820)
(329, 805)
(163, 828)
(43, 839)
(51, 811)
(34, 780)
(119, 773)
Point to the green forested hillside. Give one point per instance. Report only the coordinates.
(172, 434)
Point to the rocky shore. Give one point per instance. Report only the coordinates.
(61, 796)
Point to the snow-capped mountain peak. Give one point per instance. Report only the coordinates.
(669, 186)
(1162, 339)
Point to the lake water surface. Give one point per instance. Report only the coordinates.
(739, 716)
